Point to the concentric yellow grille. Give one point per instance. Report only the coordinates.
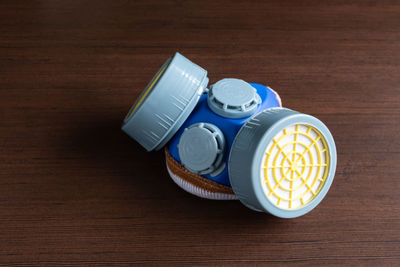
(295, 166)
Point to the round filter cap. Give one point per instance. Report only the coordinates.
(201, 149)
(282, 162)
(233, 98)
(166, 102)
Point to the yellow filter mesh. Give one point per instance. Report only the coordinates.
(295, 166)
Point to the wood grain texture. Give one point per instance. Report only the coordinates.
(75, 190)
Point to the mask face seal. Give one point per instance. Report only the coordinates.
(196, 184)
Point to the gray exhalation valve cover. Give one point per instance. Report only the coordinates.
(202, 148)
(233, 98)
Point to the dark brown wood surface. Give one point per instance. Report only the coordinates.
(75, 189)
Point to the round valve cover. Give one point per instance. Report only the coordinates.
(282, 162)
(233, 98)
(166, 102)
(201, 149)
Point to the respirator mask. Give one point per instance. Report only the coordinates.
(233, 140)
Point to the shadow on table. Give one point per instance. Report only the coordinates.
(142, 180)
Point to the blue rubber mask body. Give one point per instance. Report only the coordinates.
(229, 127)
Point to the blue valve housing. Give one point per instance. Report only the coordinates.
(230, 127)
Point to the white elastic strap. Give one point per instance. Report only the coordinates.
(188, 187)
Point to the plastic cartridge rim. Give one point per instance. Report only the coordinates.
(258, 187)
(166, 102)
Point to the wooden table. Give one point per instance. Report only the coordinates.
(75, 189)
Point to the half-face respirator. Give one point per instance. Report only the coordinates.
(233, 140)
